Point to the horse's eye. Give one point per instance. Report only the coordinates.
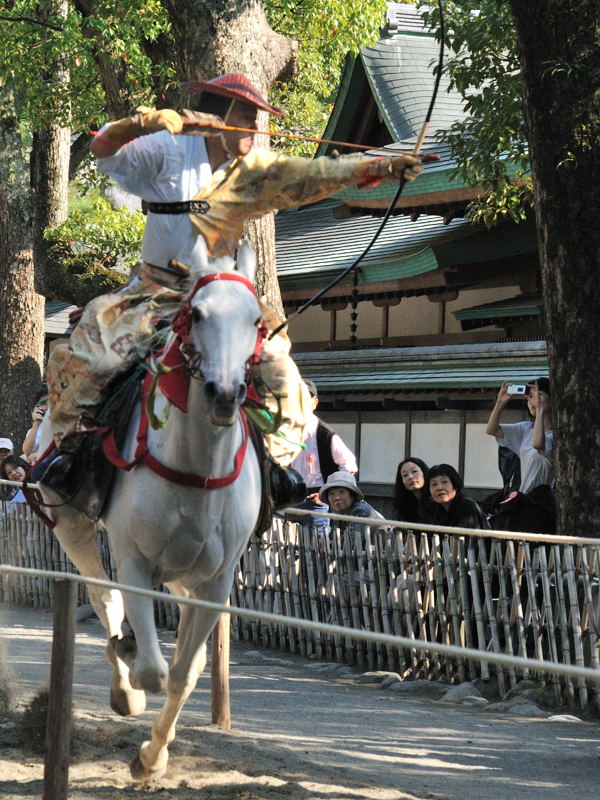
(196, 314)
(257, 321)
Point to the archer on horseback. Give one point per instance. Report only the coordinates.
(205, 185)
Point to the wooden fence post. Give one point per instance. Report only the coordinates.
(58, 726)
(221, 711)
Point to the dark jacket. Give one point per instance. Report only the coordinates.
(463, 512)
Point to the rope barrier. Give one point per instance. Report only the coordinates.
(522, 536)
(5, 482)
(336, 630)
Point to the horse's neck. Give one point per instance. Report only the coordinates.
(190, 443)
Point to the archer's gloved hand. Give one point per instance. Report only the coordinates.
(404, 166)
(145, 120)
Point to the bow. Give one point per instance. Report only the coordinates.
(399, 190)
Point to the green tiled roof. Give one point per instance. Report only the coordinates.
(313, 246)
(523, 307)
(399, 71)
(56, 318)
(475, 366)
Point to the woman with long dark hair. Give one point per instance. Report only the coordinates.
(409, 490)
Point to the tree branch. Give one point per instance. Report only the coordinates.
(33, 22)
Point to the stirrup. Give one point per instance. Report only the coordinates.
(60, 475)
(287, 486)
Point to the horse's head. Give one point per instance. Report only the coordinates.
(225, 317)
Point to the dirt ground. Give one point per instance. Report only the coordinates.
(300, 731)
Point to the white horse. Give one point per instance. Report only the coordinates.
(187, 538)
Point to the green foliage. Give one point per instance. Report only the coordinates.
(326, 30)
(33, 45)
(490, 144)
(91, 252)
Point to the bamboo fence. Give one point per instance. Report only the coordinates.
(541, 601)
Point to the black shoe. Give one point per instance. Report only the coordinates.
(287, 486)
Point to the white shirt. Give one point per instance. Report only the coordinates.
(536, 467)
(307, 462)
(167, 169)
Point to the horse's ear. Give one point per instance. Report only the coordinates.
(201, 252)
(246, 260)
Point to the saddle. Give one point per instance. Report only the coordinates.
(96, 471)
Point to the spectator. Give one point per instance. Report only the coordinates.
(449, 506)
(344, 497)
(410, 497)
(532, 508)
(6, 449)
(324, 454)
(13, 468)
(32, 437)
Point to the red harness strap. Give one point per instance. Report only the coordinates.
(143, 456)
(30, 494)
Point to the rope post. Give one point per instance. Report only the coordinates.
(221, 709)
(58, 727)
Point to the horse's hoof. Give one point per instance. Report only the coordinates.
(127, 703)
(139, 771)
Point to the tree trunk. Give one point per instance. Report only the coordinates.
(50, 150)
(49, 166)
(559, 50)
(21, 308)
(217, 36)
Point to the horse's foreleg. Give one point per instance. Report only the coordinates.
(149, 670)
(195, 626)
(78, 538)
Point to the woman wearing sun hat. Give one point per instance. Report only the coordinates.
(343, 496)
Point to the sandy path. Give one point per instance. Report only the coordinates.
(297, 734)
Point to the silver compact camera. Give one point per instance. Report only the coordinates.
(516, 388)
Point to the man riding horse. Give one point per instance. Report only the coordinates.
(205, 185)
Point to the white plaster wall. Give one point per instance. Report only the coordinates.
(481, 458)
(435, 443)
(413, 316)
(347, 432)
(381, 450)
(311, 326)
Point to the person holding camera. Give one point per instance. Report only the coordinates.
(32, 437)
(532, 507)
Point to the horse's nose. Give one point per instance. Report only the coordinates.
(218, 394)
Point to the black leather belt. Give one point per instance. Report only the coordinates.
(183, 207)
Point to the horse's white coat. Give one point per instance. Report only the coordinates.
(189, 539)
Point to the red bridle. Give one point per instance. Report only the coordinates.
(182, 326)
